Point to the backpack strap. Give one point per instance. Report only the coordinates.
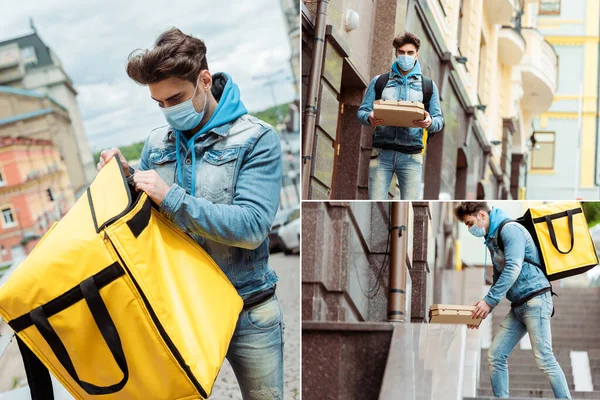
(500, 242)
(380, 83)
(427, 87)
(38, 376)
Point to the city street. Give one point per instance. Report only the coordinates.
(288, 291)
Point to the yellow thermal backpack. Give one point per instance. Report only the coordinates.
(119, 304)
(561, 234)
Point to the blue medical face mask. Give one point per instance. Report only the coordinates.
(183, 116)
(405, 62)
(476, 230)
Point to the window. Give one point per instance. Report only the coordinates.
(8, 218)
(549, 7)
(542, 155)
(2, 181)
(29, 55)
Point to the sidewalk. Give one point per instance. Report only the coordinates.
(288, 291)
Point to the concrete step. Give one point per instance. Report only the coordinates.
(545, 393)
(525, 385)
(523, 369)
(522, 379)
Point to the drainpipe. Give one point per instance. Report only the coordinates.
(397, 283)
(314, 80)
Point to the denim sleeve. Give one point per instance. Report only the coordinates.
(437, 119)
(514, 254)
(367, 104)
(245, 223)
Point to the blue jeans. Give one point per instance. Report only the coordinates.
(408, 169)
(256, 352)
(532, 317)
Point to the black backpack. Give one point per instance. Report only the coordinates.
(427, 88)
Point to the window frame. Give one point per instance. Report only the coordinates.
(541, 12)
(6, 225)
(534, 168)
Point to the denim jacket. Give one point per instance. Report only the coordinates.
(408, 88)
(237, 188)
(513, 276)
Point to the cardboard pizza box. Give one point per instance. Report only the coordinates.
(398, 113)
(452, 314)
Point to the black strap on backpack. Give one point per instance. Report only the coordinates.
(38, 376)
(534, 294)
(426, 87)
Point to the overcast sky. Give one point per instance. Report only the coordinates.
(93, 39)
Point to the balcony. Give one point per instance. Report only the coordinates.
(539, 69)
(499, 11)
(511, 46)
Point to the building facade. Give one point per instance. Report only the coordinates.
(494, 74)
(28, 63)
(34, 193)
(34, 115)
(564, 163)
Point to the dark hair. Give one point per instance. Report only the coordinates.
(407, 38)
(174, 54)
(470, 207)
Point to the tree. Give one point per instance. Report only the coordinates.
(591, 210)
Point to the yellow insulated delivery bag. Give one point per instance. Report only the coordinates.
(119, 304)
(562, 236)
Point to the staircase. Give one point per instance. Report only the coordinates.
(575, 327)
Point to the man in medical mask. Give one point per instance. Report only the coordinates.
(524, 285)
(215, 172)
(399, 149)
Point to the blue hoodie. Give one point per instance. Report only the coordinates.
(229, 108)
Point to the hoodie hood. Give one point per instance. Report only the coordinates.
(496, 218)
(229, 108)
(396, 70)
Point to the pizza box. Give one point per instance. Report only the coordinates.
(452, 314)
(398, 113)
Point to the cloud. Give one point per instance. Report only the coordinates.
(93, 39)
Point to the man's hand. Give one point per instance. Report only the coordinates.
(375, 121)
(426, 123)
(151, 183)
(482, 309)
(107, 155)
(473, 326)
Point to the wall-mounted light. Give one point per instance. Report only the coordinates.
(352, 20)
(533, 142)
(481, 107)
(495, 142)
(461, 59)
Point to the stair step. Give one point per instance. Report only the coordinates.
(546, 393)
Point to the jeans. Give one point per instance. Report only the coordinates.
(532, 317)
(256, 352)
(408, 169)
